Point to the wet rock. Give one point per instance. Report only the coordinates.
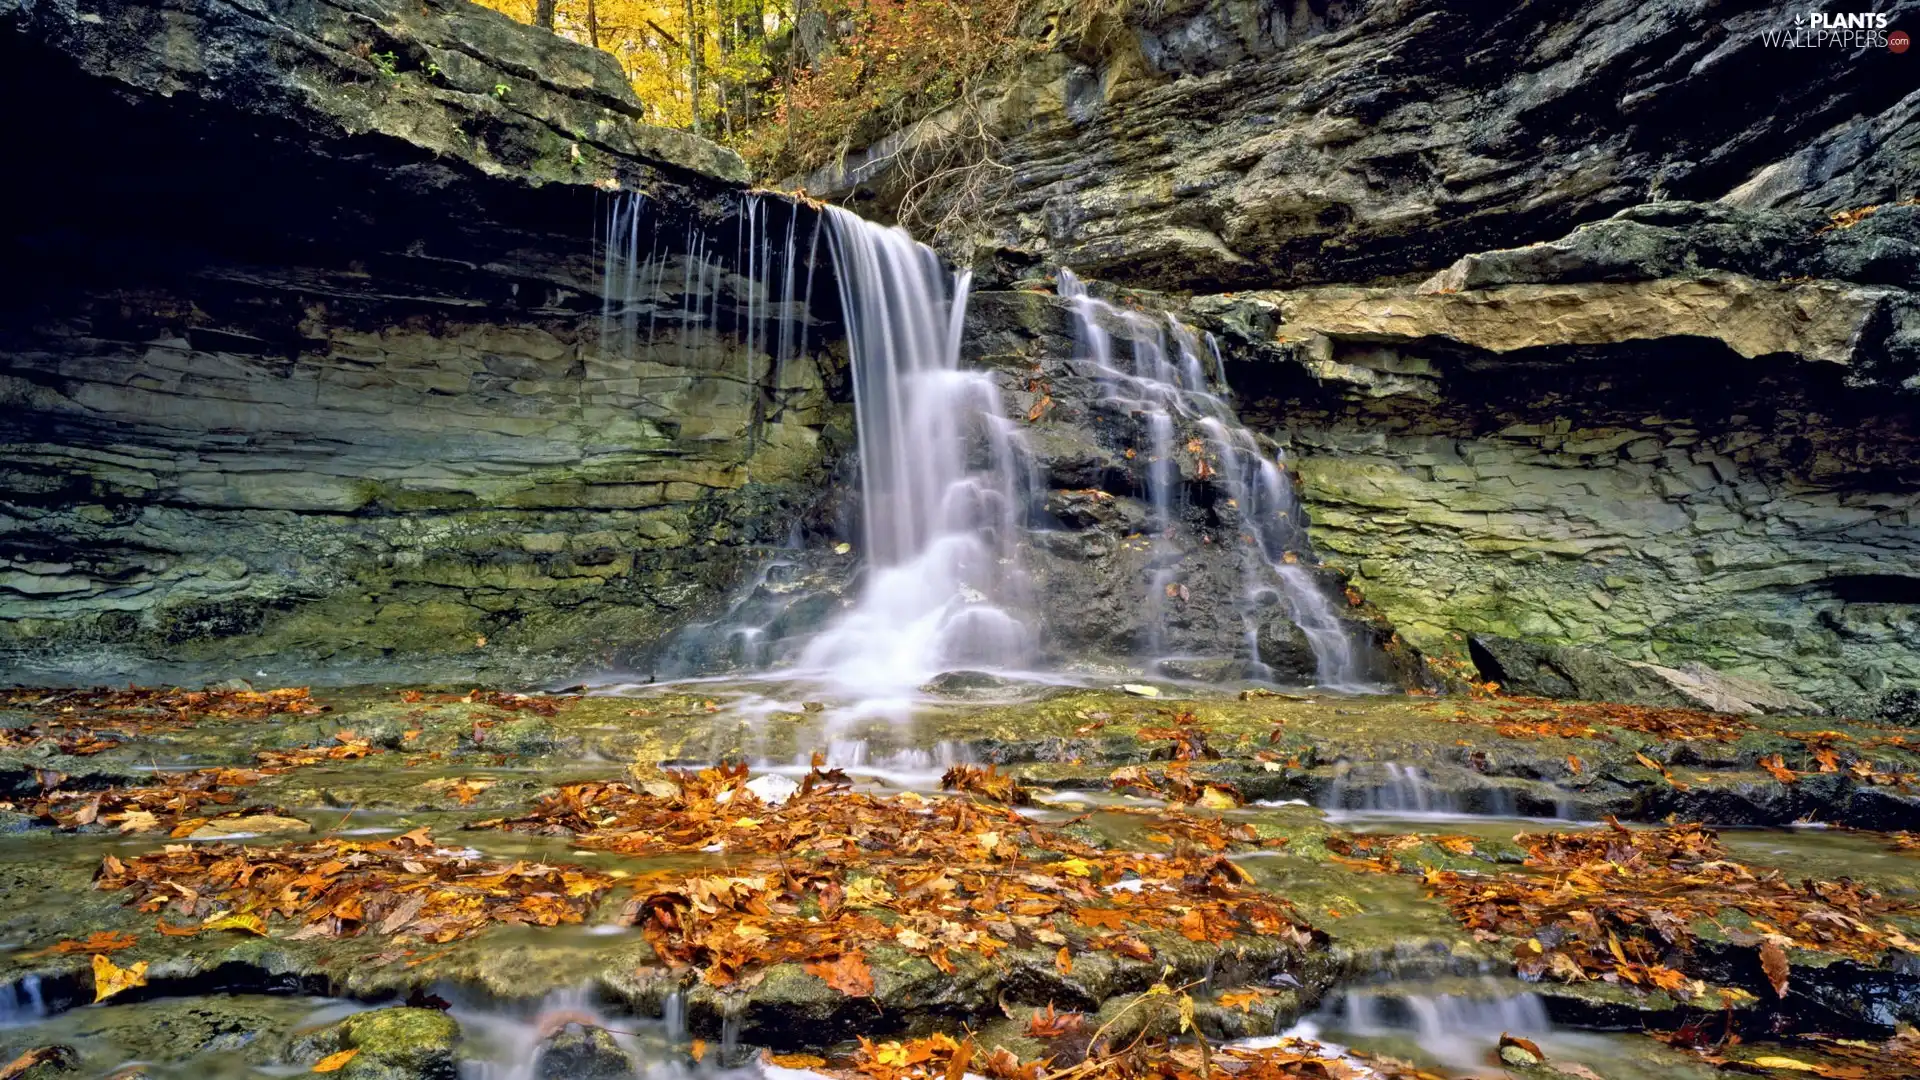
(964, 682)
(1204, 669)
(582, 1052)
(42, 1063)
(1559, 671)
(1901, 706)
(249, 825)
(394, 1044)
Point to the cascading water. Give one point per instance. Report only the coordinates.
(941, 477)
(1457, 1030)
(1165, 385)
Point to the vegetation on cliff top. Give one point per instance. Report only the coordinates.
(790, 84)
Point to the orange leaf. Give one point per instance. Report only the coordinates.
(1063, 961)
(335, 1062)
(847, 973)
(1573, 764)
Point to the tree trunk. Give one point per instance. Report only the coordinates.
(543, 14)
(593, 23)
(696, 44)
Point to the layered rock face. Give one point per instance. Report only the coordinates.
(1532, 395)
(308, 372)
(1718, 468)
(1209, 144)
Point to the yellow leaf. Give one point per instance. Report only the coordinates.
(335, 1062)
(1076, 867)
(252, 924)
(1785, 1063)
(110, 979)
(139, 821)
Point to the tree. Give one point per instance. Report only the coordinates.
(543, 14)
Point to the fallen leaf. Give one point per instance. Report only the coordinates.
(335, 1062)
(847, 973)
(251, 923)
(110, 979)
(59, 1057)
(1773, 960)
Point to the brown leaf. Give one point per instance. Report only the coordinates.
(1528, 1045)
(847, 973)
(59, 1057)
(1773, 961)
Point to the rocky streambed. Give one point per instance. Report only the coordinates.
(441, 879)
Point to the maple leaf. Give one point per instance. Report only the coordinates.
(847, 973)
(110, 979)
(1049, 1024)
(1777, 768)
(100, 941)
(1244, 1000)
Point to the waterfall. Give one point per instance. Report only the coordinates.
(1166, 386)
(940, 474)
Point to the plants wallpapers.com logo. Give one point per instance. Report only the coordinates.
(1837, 30)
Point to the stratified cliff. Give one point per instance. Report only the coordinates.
(302, 366)
(1549, 303)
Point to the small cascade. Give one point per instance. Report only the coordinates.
(1457, 1030)
(942, 478)
(22, 1002)
(1165, 384)
(1392, 789)
(908, 768)
(516, 1045)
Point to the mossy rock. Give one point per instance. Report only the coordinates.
(394, 1044)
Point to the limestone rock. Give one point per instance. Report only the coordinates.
(1818, 321)
(1235, 144)
(1593, 675)
(582, 1052)
(398, 1043)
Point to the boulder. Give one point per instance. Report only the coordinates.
(1561, 671)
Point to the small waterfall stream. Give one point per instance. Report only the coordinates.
(946, 484)
(941, 474)
(1165, 384)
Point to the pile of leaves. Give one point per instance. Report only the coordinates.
(173, 801)
(827, 872)
(1839, 752)
(1543, 718)
(986, 783)
(1625, 906)
(34, 736)
(1091, 1056)
(169, 804)
(407, 886)
(138, 707)
(84, 722)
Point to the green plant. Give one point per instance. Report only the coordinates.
(500, 90)
(386, 63)
(433, 70)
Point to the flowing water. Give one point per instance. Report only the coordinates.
(941, 474)
(1163, 381)
(946, 486)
